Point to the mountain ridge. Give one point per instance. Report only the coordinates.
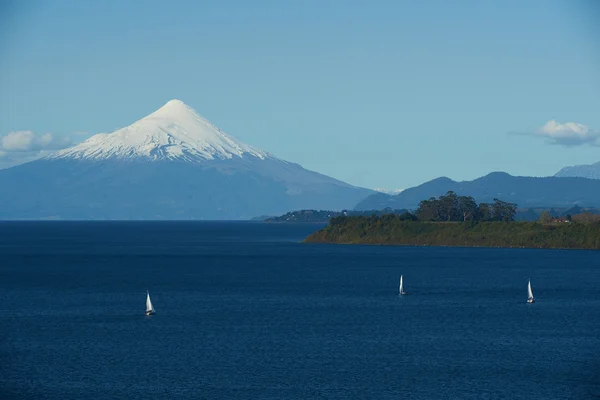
(590, 171)
(525, 191)
(171, 164)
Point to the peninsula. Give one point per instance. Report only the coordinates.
(453, 220)
(323, 216)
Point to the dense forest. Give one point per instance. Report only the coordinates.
(453, 220)
(452, 207)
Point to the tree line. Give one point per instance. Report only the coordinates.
(394, 230)
(451, 207)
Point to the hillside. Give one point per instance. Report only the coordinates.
(528, 192)
(391, 230)
(591, 171)
(454, 220)
(171, 164)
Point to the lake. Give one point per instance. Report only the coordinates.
(246, 311)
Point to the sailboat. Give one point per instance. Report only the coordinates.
(530, 298)
(149, 308)
(401, 288)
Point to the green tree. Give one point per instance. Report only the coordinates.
(484, 212)
(467, 208)
(448, 206)
(586, 218)
(407, 217)
(503, 211)
(428, 210)
(545, 217)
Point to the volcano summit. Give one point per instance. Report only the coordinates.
(171, 164)
(173, 132)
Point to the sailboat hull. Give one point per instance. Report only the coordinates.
(149, 312)
(530, 300)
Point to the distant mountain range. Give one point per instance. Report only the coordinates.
(172, 164)
(175, 164)
(527, 192)
(591, 171)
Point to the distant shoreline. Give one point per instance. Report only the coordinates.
(493, 234)
(324, 216)
(452, 246)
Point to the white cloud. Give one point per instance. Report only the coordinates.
(28, 141)
(23, 146)
(568, 134)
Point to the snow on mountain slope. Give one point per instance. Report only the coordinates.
(173, 132)
(172, 164)
(591, 171)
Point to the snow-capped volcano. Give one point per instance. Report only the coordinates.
(175, 131)
(172, 164)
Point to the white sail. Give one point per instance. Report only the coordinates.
(529, 292)
(400, 288)
(149, 307)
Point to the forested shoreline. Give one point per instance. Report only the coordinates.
(453, 220)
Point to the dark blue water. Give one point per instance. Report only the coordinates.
(245, 311)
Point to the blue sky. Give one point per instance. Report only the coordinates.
(379, 94)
